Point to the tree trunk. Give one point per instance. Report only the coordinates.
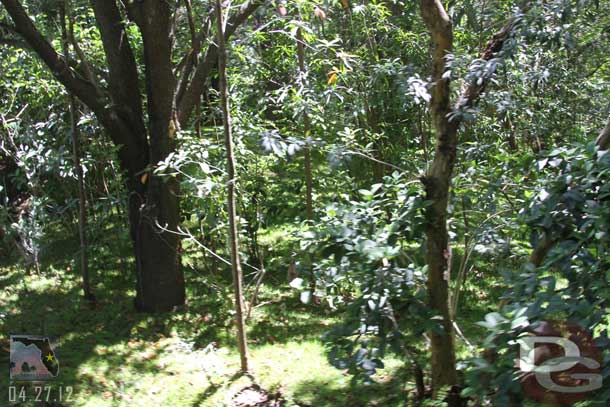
(307, 129)
(437, 182)
(82, 210)
(160, 282)
(159, 273)
(67, 20)
(234, 235)
(153, 202)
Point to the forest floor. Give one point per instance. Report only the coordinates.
(114, 356)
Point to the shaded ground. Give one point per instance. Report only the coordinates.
(112, 356)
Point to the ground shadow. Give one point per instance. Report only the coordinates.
(395, 390)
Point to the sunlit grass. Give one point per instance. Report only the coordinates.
(113, 356)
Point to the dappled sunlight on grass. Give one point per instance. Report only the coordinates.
(115, 357)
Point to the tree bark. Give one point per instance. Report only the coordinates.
(160, 279)
(437, 182)
(234, 235)
(82, 209)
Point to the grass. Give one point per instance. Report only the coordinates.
(113, 356)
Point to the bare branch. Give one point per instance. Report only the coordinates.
(87, 67)
(187, 102)
(191, 59)
(473, 90)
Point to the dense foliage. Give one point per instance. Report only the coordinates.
(346, 123)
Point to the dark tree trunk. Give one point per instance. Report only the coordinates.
(160, 279)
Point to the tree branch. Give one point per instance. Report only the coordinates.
(191, 60)
(58, 65)
(123, 79)
(87, 67)
(133, 13)
(187, 102)
(474, 89)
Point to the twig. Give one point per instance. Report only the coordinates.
(184, 232)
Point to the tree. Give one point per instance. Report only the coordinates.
(144, 138)
(66, 35)
(446, 121)
(234, 234)
(307, 131)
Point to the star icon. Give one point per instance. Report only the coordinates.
(50, 357)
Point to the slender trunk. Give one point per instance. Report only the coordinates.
(307, 129)
(82, 198)
(259, 282)
(306, 154)
(234, 236)
(420, 386)
(461, 274)
(437, 183)
(82, 215)
(372, 114)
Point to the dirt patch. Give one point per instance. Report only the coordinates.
(255, 396)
